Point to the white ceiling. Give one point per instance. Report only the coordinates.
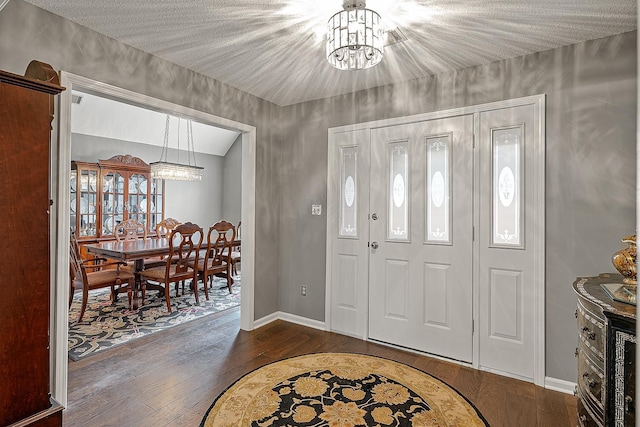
(274, 49)
(106, 118)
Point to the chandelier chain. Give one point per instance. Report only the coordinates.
(190, 147)
(165, 145)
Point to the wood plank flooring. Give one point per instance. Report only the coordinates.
(172, 377)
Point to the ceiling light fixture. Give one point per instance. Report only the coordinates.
(354, 37)
(177, 171)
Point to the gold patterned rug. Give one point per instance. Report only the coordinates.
(340, 390)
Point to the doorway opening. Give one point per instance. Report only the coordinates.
(60, 217)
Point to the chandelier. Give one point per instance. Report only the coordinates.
(177, 171)
(354, 37)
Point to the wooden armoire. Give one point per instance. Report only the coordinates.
(26, 112)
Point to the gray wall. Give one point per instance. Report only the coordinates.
(591, 110)
(198, 202)
(590, 167)
(28, 32)
(231, 181)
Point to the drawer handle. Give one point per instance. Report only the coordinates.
(576, 352)
(575, 313)
(590, 335)
(628, 404)
(591, 383)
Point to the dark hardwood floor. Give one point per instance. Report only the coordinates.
(172, 377)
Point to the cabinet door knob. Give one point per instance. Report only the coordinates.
(583, 418)
(575, 313)
(628, 404)
(576, 352)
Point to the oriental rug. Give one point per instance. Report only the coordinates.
(340, 390)
(106, 325)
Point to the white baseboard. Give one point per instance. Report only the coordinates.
(550, 383)
(559, 385)
(288, 317)
(265, 320)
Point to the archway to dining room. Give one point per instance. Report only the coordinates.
(62, 215)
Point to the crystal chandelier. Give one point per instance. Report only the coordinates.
(354, 37)
(177, 171)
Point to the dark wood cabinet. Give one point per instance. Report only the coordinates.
(26, 112)
(106, 193)
(606, 355)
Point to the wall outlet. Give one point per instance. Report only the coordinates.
(316, 209)
(303, 290)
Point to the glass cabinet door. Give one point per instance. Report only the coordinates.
(86, 196)
(137, 197)
(112, 202)
(73, 202)
(157, 195)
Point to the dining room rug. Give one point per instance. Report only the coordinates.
(342, 390)
(105, 325)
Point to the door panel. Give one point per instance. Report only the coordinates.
(421, 272)
(506, 256)
(436, 283)
(396, 289)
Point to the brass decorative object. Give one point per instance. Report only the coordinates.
(625, 261)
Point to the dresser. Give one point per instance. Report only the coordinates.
(606, 355)
(26, 111)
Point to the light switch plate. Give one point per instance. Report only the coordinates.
(316, 209)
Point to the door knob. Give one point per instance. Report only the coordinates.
(374, 216)
(374, 245)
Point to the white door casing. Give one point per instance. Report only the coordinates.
(59, 297)
(420, 283)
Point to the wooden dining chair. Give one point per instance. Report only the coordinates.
(217, 255)
(184, 243)
(86, 275)
(164, 227)
(130, 229)
(235, 253)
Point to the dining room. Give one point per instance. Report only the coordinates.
(117, 151)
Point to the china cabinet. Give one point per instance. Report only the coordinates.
(110, 191)
(26, 112)
(606, 355)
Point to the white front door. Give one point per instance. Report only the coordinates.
(458, 234)
(510, 243)
(421, 204)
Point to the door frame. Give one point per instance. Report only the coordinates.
(539, 104)
(60, 232)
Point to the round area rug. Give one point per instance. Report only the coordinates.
(340, 390)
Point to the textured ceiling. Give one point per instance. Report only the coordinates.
(274, 49)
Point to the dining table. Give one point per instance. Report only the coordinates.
(136, 250)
